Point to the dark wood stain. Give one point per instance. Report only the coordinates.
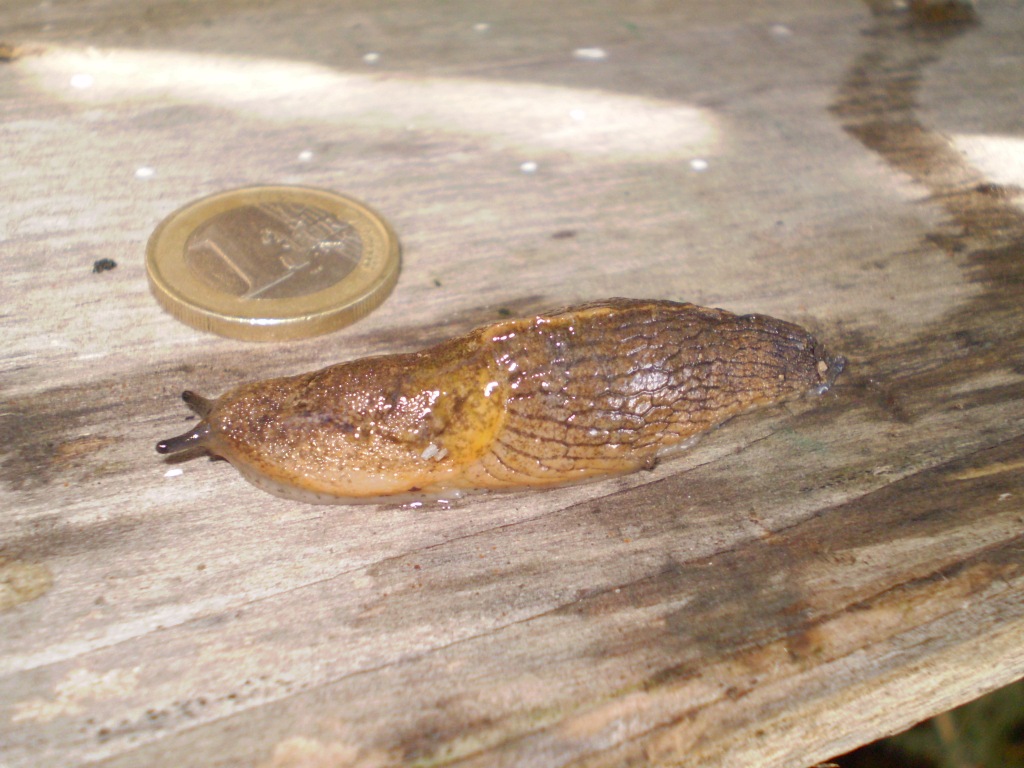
(756, 595)
(42, 436)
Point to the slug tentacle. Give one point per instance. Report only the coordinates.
(194, 438)
(199, 405)
(598, 389)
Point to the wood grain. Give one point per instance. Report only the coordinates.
(803, 581)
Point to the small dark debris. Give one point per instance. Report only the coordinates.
(998, 191)
(437, 283)
(563, 234)
(990, 189)
(103, 265)
(504, 312)
(943, 12)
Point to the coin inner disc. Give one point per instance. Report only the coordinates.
(273, 250)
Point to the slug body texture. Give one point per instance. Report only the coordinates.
(598, 389)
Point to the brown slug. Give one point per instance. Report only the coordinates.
(598, 389)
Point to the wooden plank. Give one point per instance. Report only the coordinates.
(805, 580)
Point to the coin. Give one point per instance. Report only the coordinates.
(272, 262)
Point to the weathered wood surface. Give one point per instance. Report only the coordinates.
(805, 580)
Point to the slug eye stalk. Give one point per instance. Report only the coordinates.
(199, 405)
(195, 437)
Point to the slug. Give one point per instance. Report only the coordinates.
(598, 389)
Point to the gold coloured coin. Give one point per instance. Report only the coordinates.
(272, 263)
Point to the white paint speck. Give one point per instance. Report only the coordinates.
(1005, 496)
(528, 167)
(579, 115)
(781, 30)
(481, 26)
(82, 80)
(177, 471)
(371, 58)
(590, 54)
(305, 156)
(144, 172)
(698, 164)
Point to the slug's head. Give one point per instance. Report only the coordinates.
(199, 435)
